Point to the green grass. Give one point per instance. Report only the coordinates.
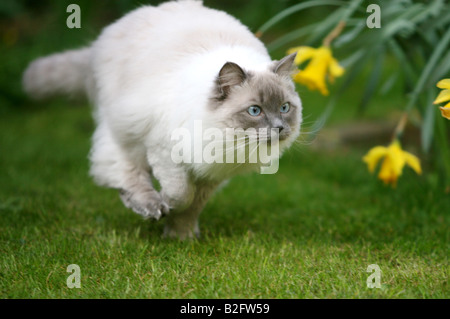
(309, 231)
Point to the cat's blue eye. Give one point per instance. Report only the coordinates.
(285, 108)
(254, 110)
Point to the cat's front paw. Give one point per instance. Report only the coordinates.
(148, 204)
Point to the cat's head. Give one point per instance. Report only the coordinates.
(267, 99)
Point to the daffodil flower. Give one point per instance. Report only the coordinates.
(394, 161)
(444, 96)
(322, 64)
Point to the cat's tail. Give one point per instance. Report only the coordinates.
(63, 73)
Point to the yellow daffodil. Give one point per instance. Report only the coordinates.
(322, 65)
(394, 161)
(444, 96)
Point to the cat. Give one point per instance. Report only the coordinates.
(164, 67)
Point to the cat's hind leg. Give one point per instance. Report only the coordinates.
(183, 224)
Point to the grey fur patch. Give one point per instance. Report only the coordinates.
(267, 89)
(285, 66)
(230, 75)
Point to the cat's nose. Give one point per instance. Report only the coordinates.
(278, 124)
(283, 131)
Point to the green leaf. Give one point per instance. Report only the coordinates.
(324, 27)
(443, 147)
(405, 23)
(352, 59)
(291, 36)
(349, 36)
(429, 36)
(323, 118)
(442, 70)
(428, 121)
(358, 65)
(406, 26)
(373, 79)
(389, 83)
(439, 22)
(443, 45)
(297, 8)
(342, 14)
(409, 73)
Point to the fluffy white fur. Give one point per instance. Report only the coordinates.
(148, 74)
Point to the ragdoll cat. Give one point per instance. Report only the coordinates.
(159, 69)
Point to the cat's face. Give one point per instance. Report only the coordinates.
(259, 100)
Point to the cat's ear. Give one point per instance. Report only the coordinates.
(285, 66)
(230, 75)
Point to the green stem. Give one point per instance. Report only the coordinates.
(334, 33)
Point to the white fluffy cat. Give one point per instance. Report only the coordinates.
(161, 68)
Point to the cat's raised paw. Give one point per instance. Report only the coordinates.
(149, 204)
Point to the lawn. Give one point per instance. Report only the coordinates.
(309, 231)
